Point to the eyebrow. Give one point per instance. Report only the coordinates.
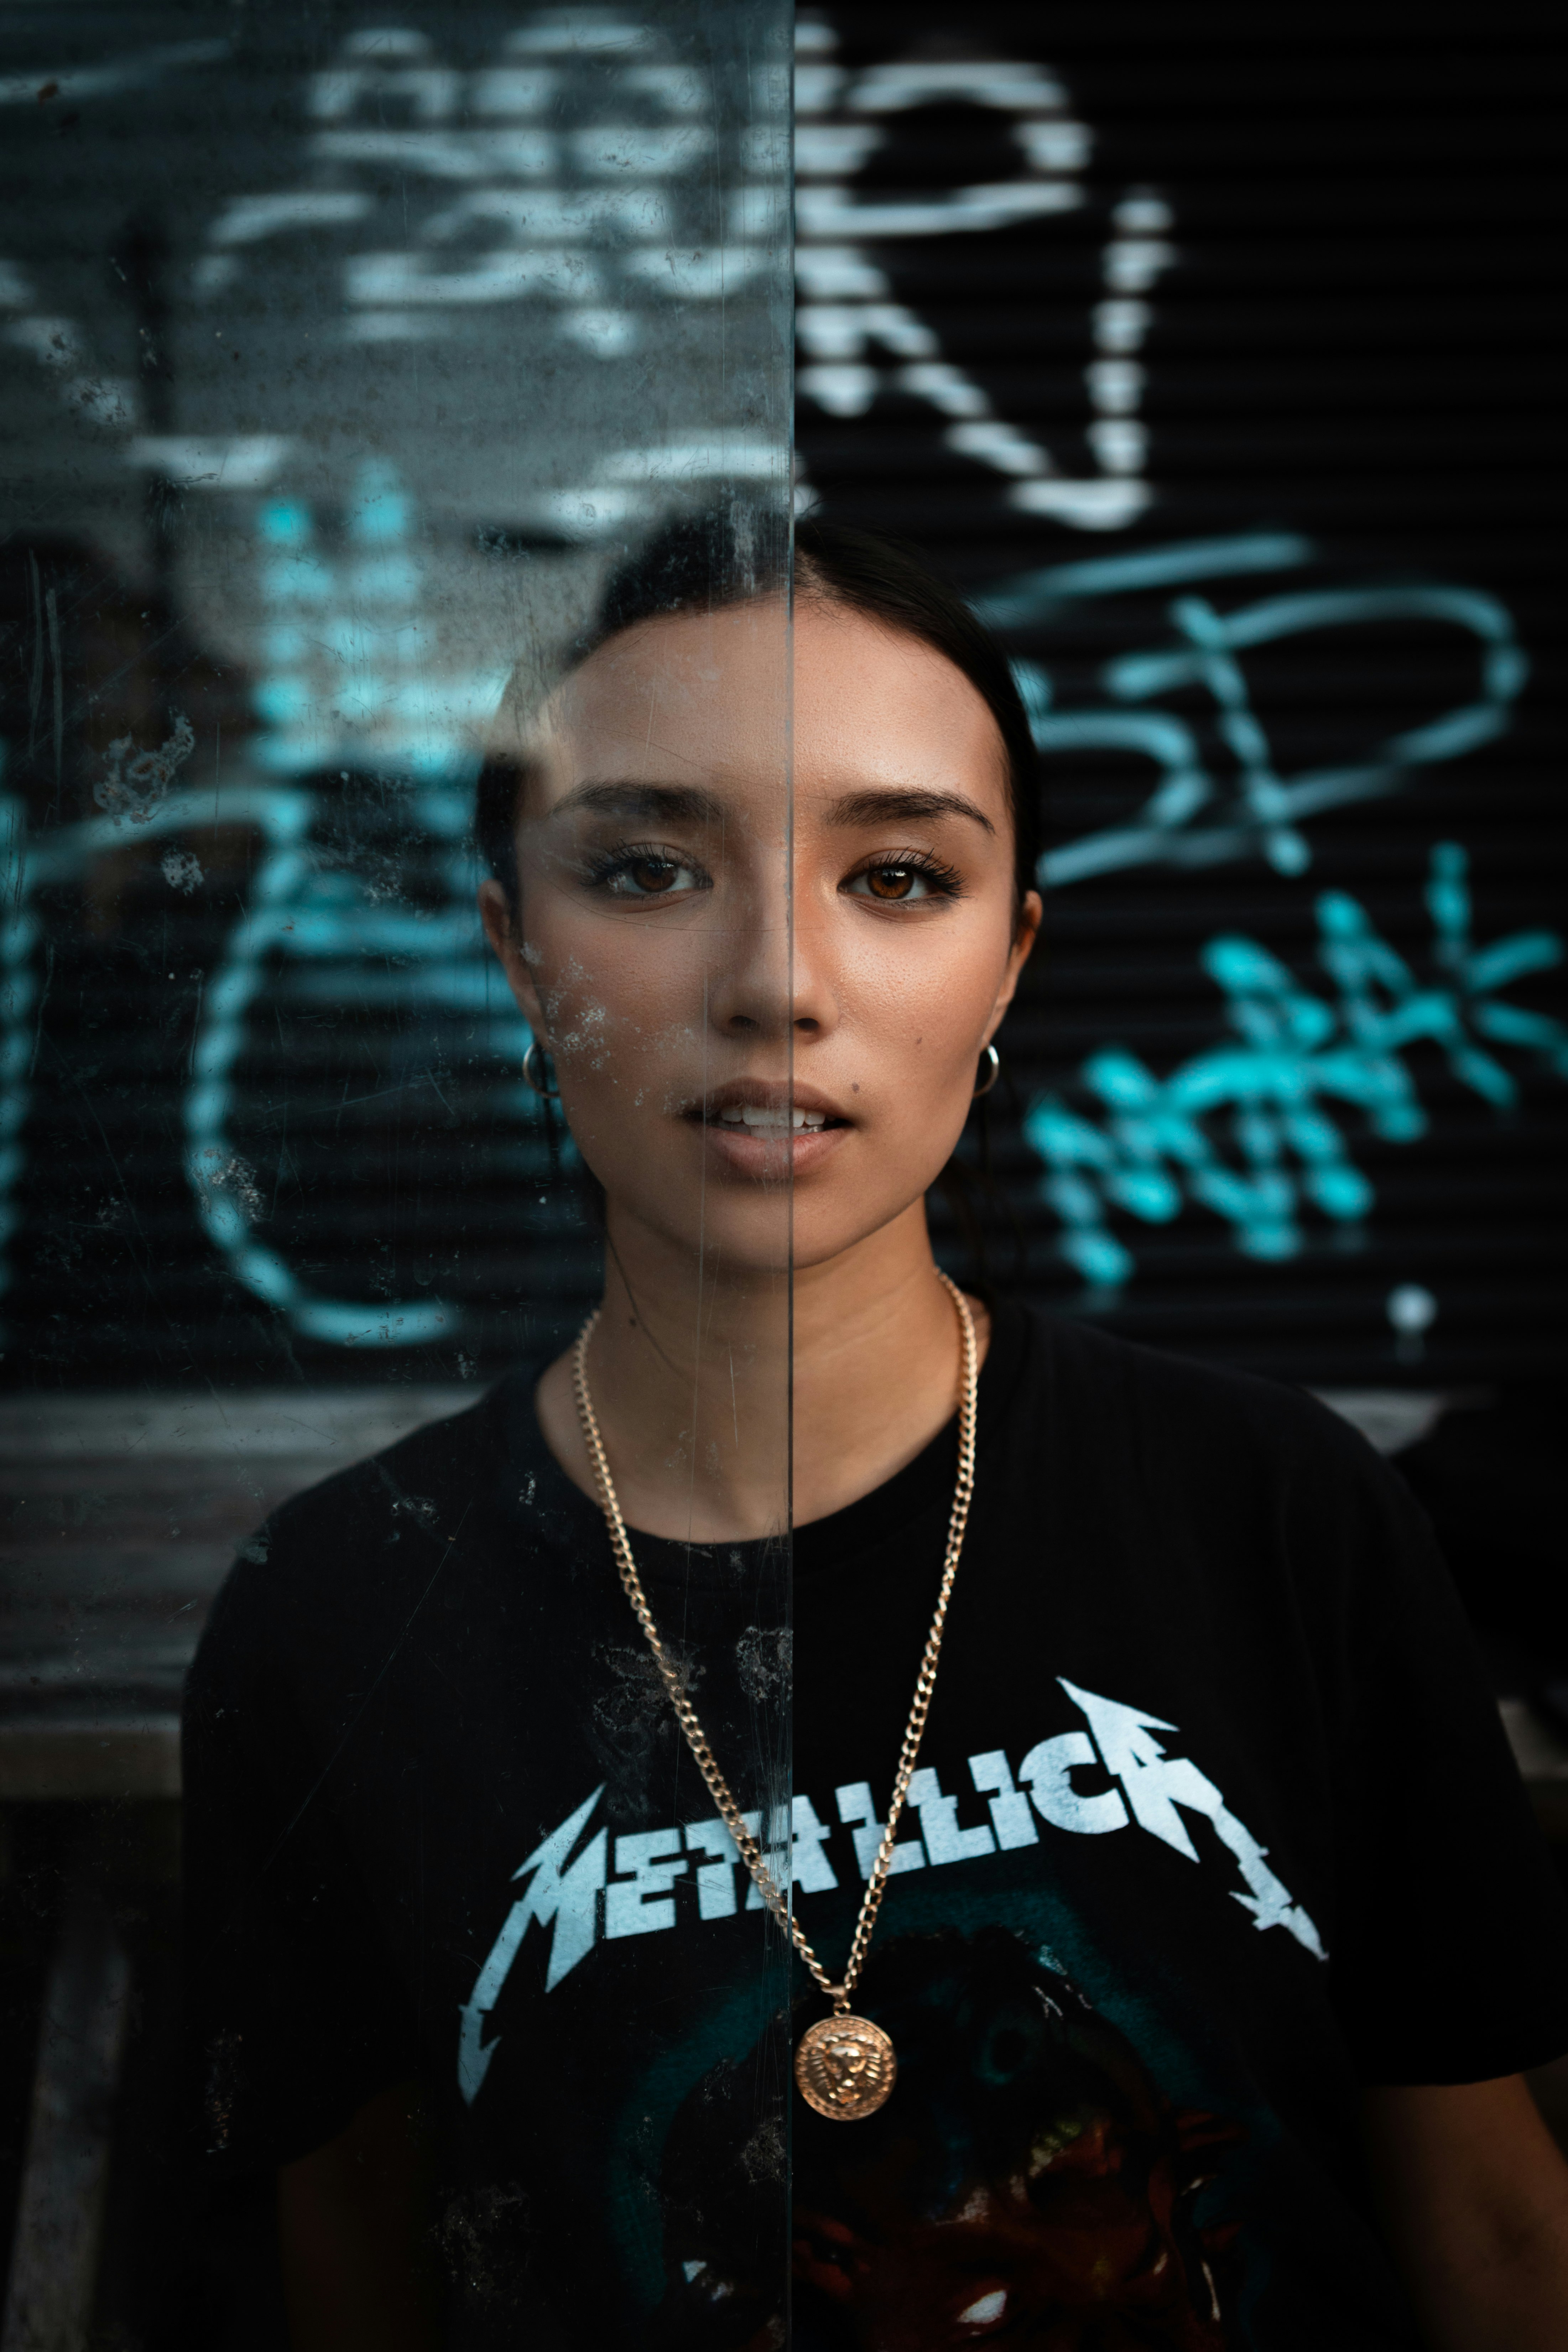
(674, 804)
(882, 807)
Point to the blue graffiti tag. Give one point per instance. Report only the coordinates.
(1150, 1153)
(312, 932)
(346, 678)
(1157, 1145)
(351, 679)
(1194, 818)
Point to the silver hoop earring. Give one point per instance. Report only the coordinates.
(990, 1063)
(538, 1074)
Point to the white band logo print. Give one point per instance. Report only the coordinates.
(571, 1892)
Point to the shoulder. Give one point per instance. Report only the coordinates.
(339, 1560)
(423, 1481)
(422, 1485)
(1249, 1505)
(1206, 1429)
(1155, 1378)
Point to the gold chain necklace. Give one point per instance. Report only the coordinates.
(844, 2065)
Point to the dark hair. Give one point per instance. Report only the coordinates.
(891, 583)
(712, 561)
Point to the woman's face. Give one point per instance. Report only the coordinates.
(737, 1058)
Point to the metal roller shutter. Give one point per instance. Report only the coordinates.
(1215, 353)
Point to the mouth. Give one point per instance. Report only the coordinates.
(759, 1119)
(764, 1126)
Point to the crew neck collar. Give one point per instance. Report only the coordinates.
(822, 1546)
(925, 1484)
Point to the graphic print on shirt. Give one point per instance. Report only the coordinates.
(1032, 2181)
(583, 1892)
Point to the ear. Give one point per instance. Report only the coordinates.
(1030, 914)
(506, 945)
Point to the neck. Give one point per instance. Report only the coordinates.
(878, 1362)
(722, 1420)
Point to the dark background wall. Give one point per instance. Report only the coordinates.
(339, 351)
(1287, 1082)
(1216, 350)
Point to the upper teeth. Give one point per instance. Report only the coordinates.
(756, 1115)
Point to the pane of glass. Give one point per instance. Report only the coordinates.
(400, 413)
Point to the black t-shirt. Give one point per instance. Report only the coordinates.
(1215, 1822)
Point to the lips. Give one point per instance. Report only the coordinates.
(763, 1106)
(765, 1126)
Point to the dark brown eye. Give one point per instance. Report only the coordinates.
(636, 874)
(906, 883)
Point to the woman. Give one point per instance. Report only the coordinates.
(1214, 1933)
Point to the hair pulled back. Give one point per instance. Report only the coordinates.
(713, 562)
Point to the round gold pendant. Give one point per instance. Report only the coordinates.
(844, 2068)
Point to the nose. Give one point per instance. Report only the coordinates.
(748, 985)
(814, 997)
(773, 980)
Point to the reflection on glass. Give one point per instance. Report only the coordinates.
(358, 372)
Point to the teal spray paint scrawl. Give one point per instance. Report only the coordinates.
(1159, 1144)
